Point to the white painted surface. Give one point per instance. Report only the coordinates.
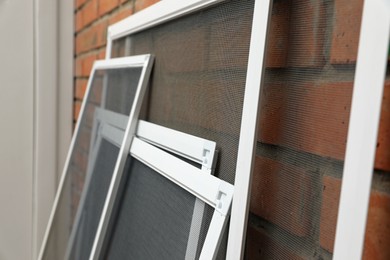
(16, 130)
(35, 101)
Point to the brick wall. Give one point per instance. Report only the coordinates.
(92, 17)
(301, 144)
(303, 128)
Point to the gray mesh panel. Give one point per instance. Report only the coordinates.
(153, 218)
(199, 76)
(303, 128)
(114, 89)
(94, 202)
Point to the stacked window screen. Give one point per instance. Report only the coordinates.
(112, 89)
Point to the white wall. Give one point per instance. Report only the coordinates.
(35, 117)
(16, 129)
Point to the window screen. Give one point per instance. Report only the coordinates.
(304, 115)
(113, 89)
(153, 217)
(377, 237)
(94, 201)
(199, 76)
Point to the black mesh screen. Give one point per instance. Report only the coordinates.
(199, 76)
(153, 217)
(94, 201)
(303, 126)
(198, 86)
(113, 89)
(125, 81)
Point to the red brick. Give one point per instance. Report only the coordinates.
(260, 245)
(78, 3)
(307, 34)
(382, 158)
(282, 194)
(378, 223)
(346, 31)
(311, 117)
(142, 4)
(106, 6)
(296, 34)
(125, 11)
(78, 21)
(102, 54)
(81, 86)
(83, 64)
(377, 238)
(76, 109)
(78, 67)
(88, 64)
(277, 45)
(329, 211)
(92, 37)
(90, 12)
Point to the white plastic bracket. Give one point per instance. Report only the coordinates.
(224, 198)
(208, 155)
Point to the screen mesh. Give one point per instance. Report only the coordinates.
(198, 80)
(303, 125)
(94, 201)
(113, 89)
(199, 76)
(377, 239)
(153, 217)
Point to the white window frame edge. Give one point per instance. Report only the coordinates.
(120, 164)
(126, 62)
(194, 148)
(363, 130)
(109, 126)
(115, 119)
(158, 13)
(248, 134)
(211, 190)
(170, 9)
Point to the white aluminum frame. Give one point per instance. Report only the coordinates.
(144, 61)
(171, 9)
(211, 190)
(363, 130)
(111, 126)
(107, 125)
(158, 13)
(193, 148)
